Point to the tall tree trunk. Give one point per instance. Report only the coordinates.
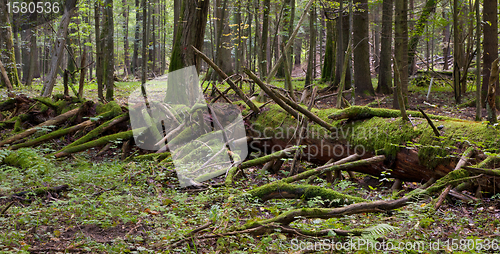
(362, 75)
(99, 56)
(263, 59)
(223, 57)
(456, 53)
(191, 32)
(385, 70)
(490, 43)
(327, 73)
(138, 21)
(446, 41)
(342, 43)
(32, 65)
(145, 41)
(126, 54)
(288, 16)
(109, 62)
(58, 50)
(401, 50)
(312, 45)
(8, 57)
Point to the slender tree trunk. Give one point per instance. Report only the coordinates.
(138, 20)
(145, 40)
(446, 42)
(263, 59)
(478, 63)
(312, 45)
(385, 70)
(223, 55)
(342, 43)
(429, 8)
(99, 56)
(32, 58)
(8, 57)
(126, 54)
(362, 78)
(401, 51)
(456, 53)
(327, 73)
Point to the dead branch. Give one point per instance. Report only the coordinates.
(229, 81)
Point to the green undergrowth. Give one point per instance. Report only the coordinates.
(135, 206)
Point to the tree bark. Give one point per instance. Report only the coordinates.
(138, 20)
(361, 50)
(385, 70)
(191, 32)
(327, 70)
(126, 63)
(429, 8)
(401, 50)
(109, 56)
(490, 43)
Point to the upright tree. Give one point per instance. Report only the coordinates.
(361, 50)
(401, 50)
(385, 70)
(490, 43)
(109, 56)
(190, 32)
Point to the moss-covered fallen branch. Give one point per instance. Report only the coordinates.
(259, 161)
(281, 190)
(98, 130)
(98, 142)
(325, 213)
(40, 191)
(363, 112)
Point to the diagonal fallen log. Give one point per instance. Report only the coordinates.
(229, 81)
(126, 135)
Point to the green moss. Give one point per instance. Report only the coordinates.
(110, 106)
(306, 192)
(426, 222)
(27, 158)
(158, 157)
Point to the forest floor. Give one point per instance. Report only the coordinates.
(137, 207)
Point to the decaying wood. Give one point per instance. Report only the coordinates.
(271, 93)
(54, 121)
(229, 81)
(430, 123)
(463, 160)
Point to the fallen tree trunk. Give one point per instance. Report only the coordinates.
(413, 153)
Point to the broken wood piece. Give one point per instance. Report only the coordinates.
(430, 123)
(229, 81)
(463, 160)
(271, 93)
(5, 77)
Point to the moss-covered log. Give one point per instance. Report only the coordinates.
(40, 191)
(413, 153)
(98, 130)
(98, 142)
(282, 190)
